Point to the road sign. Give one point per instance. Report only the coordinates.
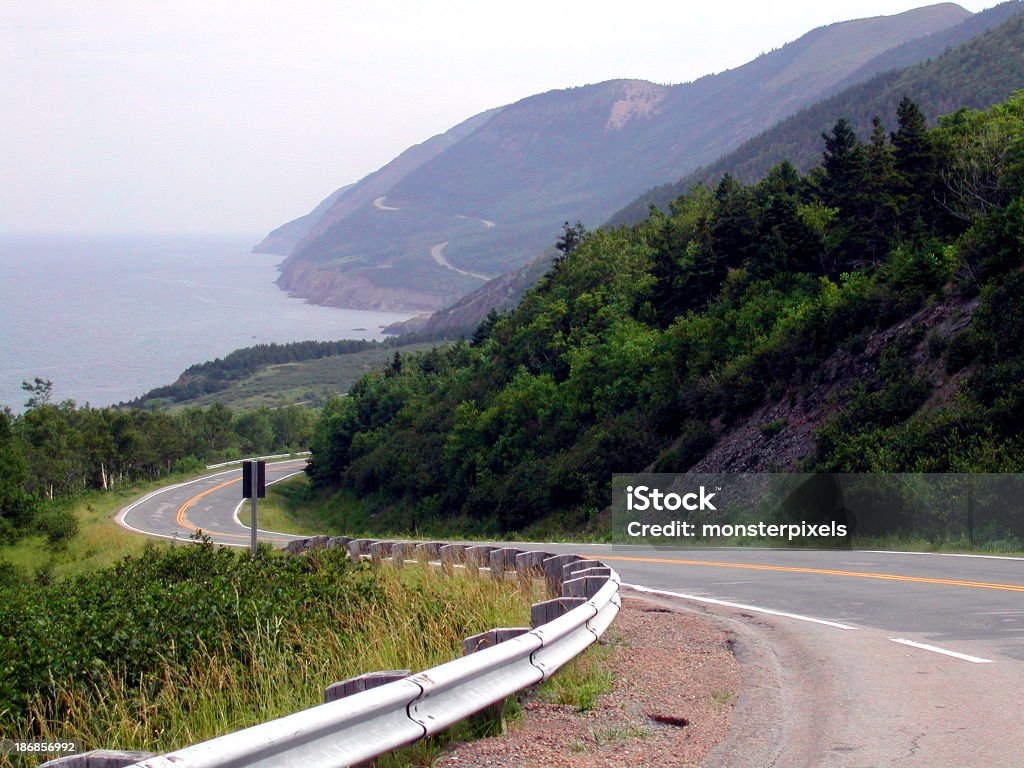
(254, 486)
(260, 487)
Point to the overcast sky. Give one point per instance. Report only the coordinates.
(213, 116)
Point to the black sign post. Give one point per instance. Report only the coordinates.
(254, 486)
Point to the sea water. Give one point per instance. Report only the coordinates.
(107, 318)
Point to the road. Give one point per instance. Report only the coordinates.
(211, 504)
(437, 252)
(851, 659)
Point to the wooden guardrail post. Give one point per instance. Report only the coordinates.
(553, 571)
(357, 548)
(452, 555)
(549, 610)
(501, 560)
(361, 683)
(490, 721)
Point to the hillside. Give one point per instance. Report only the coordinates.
(419, 237)
(276, 375)
(281, 241)
(464, 314)
(867, 316)
(978, 73)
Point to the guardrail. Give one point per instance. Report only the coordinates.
(257, 458)
(360, 726)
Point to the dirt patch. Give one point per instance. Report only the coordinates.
(674, 686)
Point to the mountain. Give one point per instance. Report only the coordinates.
(982, 71)
(464, 314)
(979, 73)
(488, 196)
(281, 241)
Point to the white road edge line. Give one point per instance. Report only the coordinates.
(943, 651)
(741, 606)
(938, 554)
(238, 509)
(120, 516)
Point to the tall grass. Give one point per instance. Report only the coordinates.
(417, 618)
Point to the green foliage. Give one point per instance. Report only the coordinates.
(643, 344)
(184, 643)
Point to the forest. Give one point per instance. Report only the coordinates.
(883, 287)
(53, 452)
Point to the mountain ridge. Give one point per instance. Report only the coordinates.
(569, 154)
(878, 95)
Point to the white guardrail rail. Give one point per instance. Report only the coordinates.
(363, 725)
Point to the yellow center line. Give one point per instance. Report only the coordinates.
(826, 571)
(183, 521)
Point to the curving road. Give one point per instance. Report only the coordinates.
(211, 504)
(852, 659)
(437, 252)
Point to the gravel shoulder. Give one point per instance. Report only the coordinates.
(675, 683)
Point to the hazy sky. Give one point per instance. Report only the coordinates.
(213, 116)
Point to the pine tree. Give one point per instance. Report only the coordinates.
(915, 157)
(881, 191)
(844, 161)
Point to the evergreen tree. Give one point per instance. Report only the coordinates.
(881, 193)
(849, 242)
(915, 160)
(734, 234)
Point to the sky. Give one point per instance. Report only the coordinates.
(234, 117)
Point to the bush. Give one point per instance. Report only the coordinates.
(57, 524)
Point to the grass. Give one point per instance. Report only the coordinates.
(723, 697)
(99, 542)
(284, 509)
(309, 381)
(583, 680)
(418, 622)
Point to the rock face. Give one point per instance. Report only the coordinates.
(498, 187)
(780, 434)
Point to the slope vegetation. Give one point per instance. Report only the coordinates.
(865, 316)
(981, 72)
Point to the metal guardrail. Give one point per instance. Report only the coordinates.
(257, 458)
(364, 725)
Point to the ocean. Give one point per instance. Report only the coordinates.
(107, 318)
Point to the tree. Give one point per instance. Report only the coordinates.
(570, 238)
(915, 157)
(40, 390)
(844, 162)
(881, 192)
(734, 234)
(17, 508)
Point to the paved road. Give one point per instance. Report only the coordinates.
(211, 504)
(438, 253)
(851, 658)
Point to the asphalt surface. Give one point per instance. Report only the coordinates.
(211, 504)
(851, 659)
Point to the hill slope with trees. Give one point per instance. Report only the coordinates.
(865, 316)
(980, 74)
